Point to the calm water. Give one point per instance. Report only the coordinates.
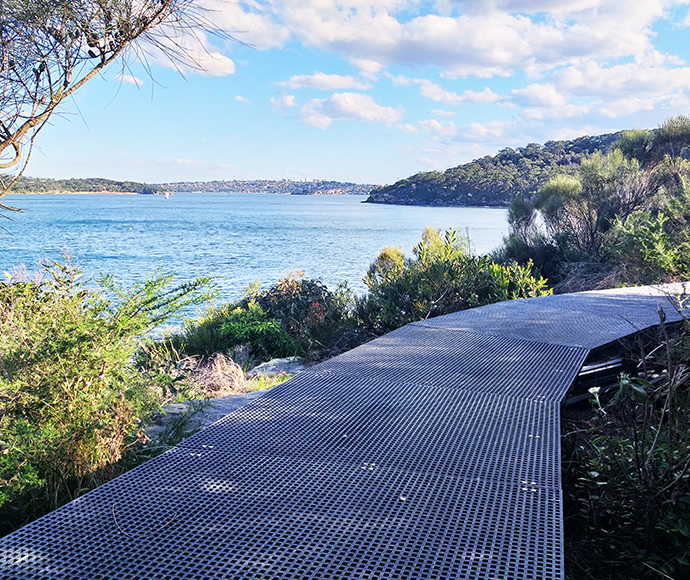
(240, 237)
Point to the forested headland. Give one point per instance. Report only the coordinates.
(88, 185)
(494, 180)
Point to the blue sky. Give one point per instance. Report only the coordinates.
(374, 91)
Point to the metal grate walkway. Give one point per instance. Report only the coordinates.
(430, 453)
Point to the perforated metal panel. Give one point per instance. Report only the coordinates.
(430, 453)
(243, 519)
(433, 430)
(585, 320)
(418, 355)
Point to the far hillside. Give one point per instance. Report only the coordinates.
(494, 180)
(89, 185)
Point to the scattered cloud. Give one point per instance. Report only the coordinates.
(539, 96)
(326, 82)
(408, 128)
(249, 22)
(188, 51)
(129, 79)
(434, 92)
(446, 130)
(285, 101)
(483, 132)
(348, 107)
(638, 77)
(241, 99)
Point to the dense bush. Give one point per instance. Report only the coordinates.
(223, 328)
(251, 326)
(622, 218)
(442, 277)
(627, 471)
(321, 322)
(71, 399)
(294, 316)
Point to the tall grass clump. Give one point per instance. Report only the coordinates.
(71, 398)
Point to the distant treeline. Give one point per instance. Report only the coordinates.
(284, 186)
(494, 180)
(90, 185)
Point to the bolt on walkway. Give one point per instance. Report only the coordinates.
(430, 453)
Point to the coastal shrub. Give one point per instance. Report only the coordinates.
(627, 470)
(442, 277)
(252, 326)
(227, 327)
(621, 218)
(71, 399)
(320, 321)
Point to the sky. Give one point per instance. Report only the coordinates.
(373, 91)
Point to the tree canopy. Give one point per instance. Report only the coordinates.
(49, 49)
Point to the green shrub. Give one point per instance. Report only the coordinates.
(71, 399)
(321, 322)
(251, 326)
(627, 471)
(442, 278)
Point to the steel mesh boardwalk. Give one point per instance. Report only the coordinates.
(430, 453)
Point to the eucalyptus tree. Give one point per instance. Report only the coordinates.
(50, 48)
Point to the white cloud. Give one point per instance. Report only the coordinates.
(408, 128)
(369, 68)
(325, 82)
(347, 107)
(538, 95)
(241, 99)
(192, 53)
(285, 101)
(129, 79)
(250, 22)
(484, 132)
(446, 130)
(639, 77)
(436, 93)
(484, 39)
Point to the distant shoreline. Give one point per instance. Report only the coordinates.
(57, 192)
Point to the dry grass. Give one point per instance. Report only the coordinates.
(217, 376)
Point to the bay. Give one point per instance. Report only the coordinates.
(239, 238)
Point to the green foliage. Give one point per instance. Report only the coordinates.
(621, 218)
(294, 316)
(635, 144)
(627, 476)
(672, 139)
(521, 217)
(652, 247)
(442, 278)
(320, 321)
(251, 326)
(43, 185)
(584, 207)
(71, 399)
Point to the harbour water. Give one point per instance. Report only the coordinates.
(239, 238)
